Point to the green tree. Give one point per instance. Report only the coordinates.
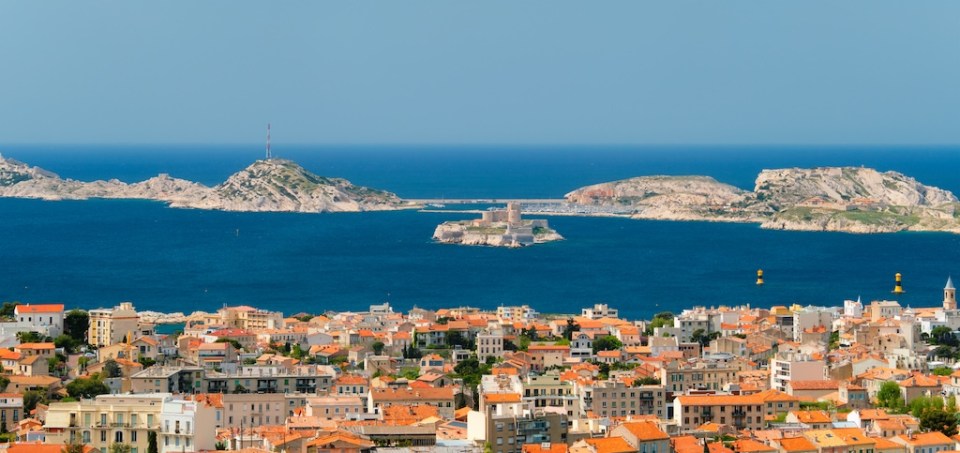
(75, 325)
(569, 329)
(4, 382)
(30, 400)
(646, 381)
(235, 343)
(942, 371)
(934, 419)
(152, 442)
(377, 347)
(66, 342)
(87, 387)
(112, 369)
(889, 396)
(606, 343)
(943, 335)
(147, 362)
(120, 448)
(219, 446)
(29, 337)
(6, 311)
(834, 339)
(73, 447)
(297, 352)
(411, 374)
(659, 320)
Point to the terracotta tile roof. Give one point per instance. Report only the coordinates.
(646, 431)
(797, 444)
(430, 393)
(610, 445)
(815, 385)
(920, 380)
(39, 308)
(926, 439)
(498, 398)
(750, 446)
(545, 448)
(809, 417)
(38, 346)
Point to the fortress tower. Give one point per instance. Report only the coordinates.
(513, 213)
(949, 296)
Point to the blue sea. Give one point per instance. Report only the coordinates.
(100, 252)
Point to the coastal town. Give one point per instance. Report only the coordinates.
(864, 377)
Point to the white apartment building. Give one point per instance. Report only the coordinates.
(600, 311)
(490, 344)
(187, 426)
(44, 318)
(786, 367)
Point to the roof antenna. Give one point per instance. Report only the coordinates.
(269, 155)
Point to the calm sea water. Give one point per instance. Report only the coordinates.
(99, 252)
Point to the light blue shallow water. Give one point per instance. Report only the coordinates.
(99, 252)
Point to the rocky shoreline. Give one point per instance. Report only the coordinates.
(840, 199)
(271, 185)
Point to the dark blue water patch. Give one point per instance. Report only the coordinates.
(100, 252)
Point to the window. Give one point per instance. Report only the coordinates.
(103, 436)
(133, 436)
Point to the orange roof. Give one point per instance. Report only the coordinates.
(815, 385)
(39, 308)
(812, 417)
(610, 445)
(797, 444)
(926, 439)
(545, 448)
(403, 394)
(645, 431)
(724, 400)
(41, 346)
(497, 398)
(41, 448)
(749, 446)
(886, 444)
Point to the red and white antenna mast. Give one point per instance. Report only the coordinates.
(269, 155)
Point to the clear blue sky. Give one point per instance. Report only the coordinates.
(488, 72)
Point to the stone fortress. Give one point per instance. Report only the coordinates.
(497, 227)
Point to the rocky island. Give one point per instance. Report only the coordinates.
(269, 185)
(848, 199)
(497, 228)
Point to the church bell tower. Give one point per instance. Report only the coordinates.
(949, 296)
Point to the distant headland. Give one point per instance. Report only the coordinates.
(847, 199)
(268, 185)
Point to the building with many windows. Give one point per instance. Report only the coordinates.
(112, 325)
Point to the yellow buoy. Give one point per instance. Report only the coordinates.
(759, 276)
(898, 284)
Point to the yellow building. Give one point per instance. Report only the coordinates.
(109, 419)
(106, 420)
(111, 325)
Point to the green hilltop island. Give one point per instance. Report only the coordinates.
(497, 228)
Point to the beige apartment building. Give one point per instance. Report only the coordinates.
(11, 410)
(249, 318)
(111, 325)
(678, 377)
(613, 398)
(739, 411)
